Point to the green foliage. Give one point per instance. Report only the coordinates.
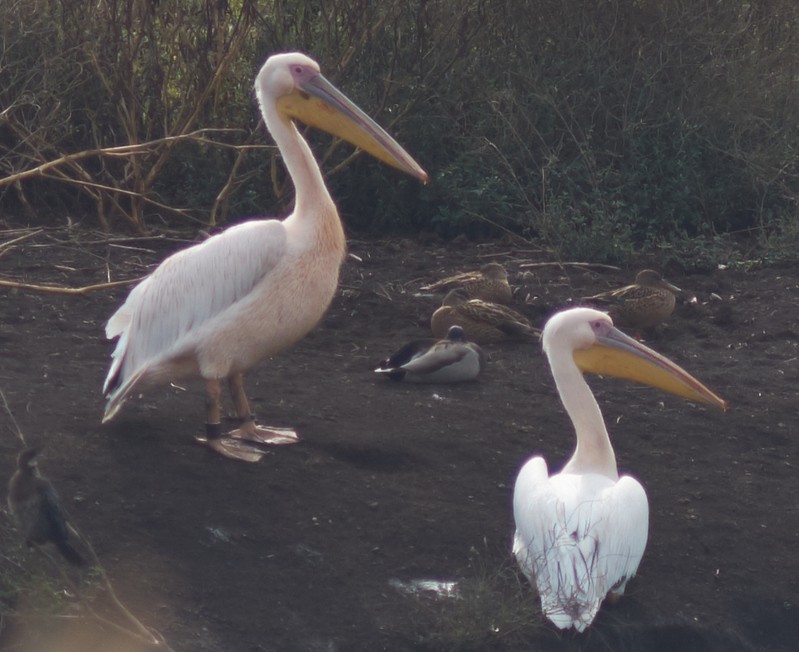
(626, 126)
(581, 233)
(602, 129)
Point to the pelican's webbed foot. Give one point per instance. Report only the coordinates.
(250, 431)
(228, 446)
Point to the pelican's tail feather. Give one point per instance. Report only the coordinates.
(575, 613)
(118, 396)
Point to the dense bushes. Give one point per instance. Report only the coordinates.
(599, 128)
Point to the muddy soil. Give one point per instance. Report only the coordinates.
(314, 548)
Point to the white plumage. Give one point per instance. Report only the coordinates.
(216, 309)
(180, 321)
(580, 534)
(578, 537)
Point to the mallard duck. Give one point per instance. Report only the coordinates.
(214, 310)
(488, 284)
(581, 533)
(34, 503)
(449, 360)
(482, 322)
(644, 304)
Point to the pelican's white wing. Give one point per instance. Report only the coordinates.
(578, 538)
(187, 290)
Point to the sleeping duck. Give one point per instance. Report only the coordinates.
(449, 360)
(482, 322)
(644, 304)
(490, 283)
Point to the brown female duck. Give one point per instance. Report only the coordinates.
(644, 304)
(490, 283)
(482, 322)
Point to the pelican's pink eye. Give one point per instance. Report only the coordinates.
(298, 70)
(596, 325)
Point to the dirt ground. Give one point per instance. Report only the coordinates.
(314, 547)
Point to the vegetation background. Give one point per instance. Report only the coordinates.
(602, 129)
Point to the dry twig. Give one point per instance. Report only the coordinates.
(18, 239)
(582, 265)
(122, 150)
(56, 289)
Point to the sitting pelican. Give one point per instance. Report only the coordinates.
(482, 322)
(216, 309)
(581, 533)
(644, 304)
(490, 283)
(450, 360)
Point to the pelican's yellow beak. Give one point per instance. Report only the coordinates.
(320, 104)
(617, 354)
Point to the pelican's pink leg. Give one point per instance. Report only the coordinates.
(227, 446)
(248, 429)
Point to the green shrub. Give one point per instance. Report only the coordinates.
(602, 129)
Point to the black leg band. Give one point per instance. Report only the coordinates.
(213, 430)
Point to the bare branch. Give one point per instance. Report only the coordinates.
(55, 289)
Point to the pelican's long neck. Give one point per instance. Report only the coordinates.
(312, 199)
(594, 452)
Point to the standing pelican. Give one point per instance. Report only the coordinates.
(216, 309)
(581, 533)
